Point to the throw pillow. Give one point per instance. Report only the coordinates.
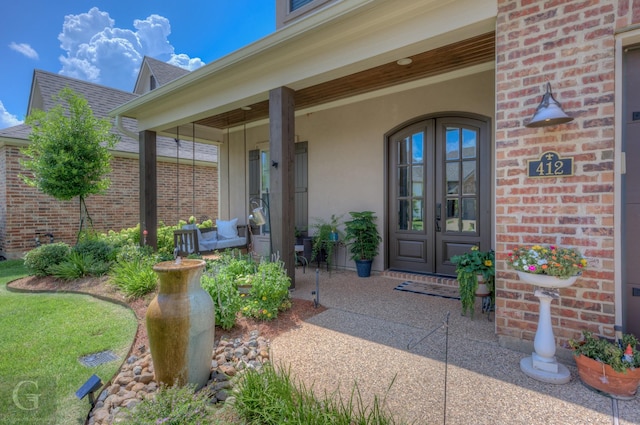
(227, 229)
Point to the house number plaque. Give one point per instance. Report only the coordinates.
(550, 165)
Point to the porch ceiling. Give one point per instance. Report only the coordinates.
(452, 57)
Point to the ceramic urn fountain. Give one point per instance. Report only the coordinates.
(181, 325)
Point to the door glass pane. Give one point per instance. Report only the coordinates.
(418, 213)
(403, 181)
(417, 180)
(452, 220)
(453, 179)
(468, 177)
(418, 142)
(403, 214)
(452, 143)
(469, 214)
(403, 151)
(469, 143)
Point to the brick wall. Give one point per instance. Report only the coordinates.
(570, 44)
(29, 211)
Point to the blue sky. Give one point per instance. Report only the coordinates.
(104, 41)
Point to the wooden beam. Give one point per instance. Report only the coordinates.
(281, 176)
(148, 188)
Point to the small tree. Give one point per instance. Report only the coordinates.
(69, 151)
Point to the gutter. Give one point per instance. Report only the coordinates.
(124, 131)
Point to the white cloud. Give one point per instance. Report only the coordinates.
(184, 61)
(25, 49)
(98, 51)
(7, 119)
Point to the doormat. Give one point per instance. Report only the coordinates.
(429, 289)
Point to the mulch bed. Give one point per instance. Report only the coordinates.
(300, 311)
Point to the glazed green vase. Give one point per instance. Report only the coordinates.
(181, 325)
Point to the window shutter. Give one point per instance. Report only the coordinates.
(301, 184)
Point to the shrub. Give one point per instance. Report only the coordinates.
(133, 271)
(78, 265)
(38, 260)
(99, 248)
(226, 298)
(269, 291)
(171, 406)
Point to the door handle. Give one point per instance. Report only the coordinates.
(438, 216)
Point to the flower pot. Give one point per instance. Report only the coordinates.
(601, 377)
(363, 267)
(483, 289)
(180, 325)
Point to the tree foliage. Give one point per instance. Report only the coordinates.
(68, 153)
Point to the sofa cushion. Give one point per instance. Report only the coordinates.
(227, 229)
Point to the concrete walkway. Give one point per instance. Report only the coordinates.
(394, 345)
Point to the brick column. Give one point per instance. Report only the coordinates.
(571, 45)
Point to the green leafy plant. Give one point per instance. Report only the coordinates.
(468, 267)
(133, 272)
(99, 248)
(269, 291)
(270, 396)
(224, 293)
(69, 154)
(39, 260)
(78, 265)
(324, 242)
(550, 260)
(362, 235)
(608, 352)
(171, 406)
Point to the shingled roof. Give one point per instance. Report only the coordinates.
(162, 72)
(46, 85)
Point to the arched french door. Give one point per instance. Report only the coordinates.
(439, 192)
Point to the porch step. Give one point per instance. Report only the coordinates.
(416, 277)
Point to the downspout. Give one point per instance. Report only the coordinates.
(126, 132)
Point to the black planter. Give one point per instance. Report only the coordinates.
(363, 267)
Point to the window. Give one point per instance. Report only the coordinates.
(297, 4)
(259, 169)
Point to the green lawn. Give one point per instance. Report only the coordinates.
(42, 336)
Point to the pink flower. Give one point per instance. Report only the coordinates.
(532, 268)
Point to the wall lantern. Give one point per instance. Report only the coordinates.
(549, 112)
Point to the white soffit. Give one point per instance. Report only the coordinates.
(312, 51)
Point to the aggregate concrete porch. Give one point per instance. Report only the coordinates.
(374, 335)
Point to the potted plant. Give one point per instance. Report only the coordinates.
(474, 268)
(544, 264)
(609, 366)
(363, 240)
(325, 238)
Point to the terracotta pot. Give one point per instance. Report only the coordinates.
(181, 325)
(603, 378)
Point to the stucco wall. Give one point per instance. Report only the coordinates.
(347, 146)
(29, 211)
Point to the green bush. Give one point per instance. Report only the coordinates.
(78, 265)
(269, 291)
(171, 406)
(38, 260)
(221, 282)
(99, 248)
(226, 298)
(133, 271)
